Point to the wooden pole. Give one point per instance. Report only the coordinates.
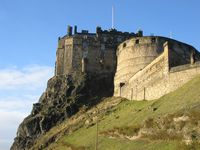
(144, 93)
(131, 93)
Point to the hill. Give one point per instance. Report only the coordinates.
(170, 122)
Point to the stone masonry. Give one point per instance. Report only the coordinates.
(143, 67)
(173, 66)
(89, 52)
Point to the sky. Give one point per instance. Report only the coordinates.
(29, 31)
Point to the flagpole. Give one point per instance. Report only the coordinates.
(112, 17)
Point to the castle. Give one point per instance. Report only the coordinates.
(144, 67)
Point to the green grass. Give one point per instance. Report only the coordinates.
(132, 114)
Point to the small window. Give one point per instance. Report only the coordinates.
(121, 84)
(124, 45)
(153, 40)
(137, 41)
(85, 37)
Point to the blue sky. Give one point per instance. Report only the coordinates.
(29, 30)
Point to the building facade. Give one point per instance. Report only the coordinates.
(143, 67)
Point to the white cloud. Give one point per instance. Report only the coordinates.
(17, 103)
(30, 77)
(8, 118)
(19, 89)
(8, 127)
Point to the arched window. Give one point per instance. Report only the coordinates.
(124, 45)
(153, 40)
(137, 41)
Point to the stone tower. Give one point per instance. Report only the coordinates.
(89, 52)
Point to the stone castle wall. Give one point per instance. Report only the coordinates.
(93, 54)
(144, 67)
(89, 52)
(133, 55)
(159, 77)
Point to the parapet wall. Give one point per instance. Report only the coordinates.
(158, 78)
(136, 87)
(135, 54)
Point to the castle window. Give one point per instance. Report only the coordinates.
(121, 84)
(124, 45)
(85, 37)
(153, 40)
(137, 41)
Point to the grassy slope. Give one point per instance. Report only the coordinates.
(132, 113)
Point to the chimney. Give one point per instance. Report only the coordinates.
(140, 33)
(75, 29)
(69, 30)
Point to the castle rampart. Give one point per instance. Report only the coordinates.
(145, 67)
(134, 54)
(161, 76)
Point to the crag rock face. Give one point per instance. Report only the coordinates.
(64, 96)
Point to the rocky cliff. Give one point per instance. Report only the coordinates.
(169, 123)
(65, 96)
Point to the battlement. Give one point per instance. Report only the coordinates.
(89, 52)
(99, 31)
(143, 67)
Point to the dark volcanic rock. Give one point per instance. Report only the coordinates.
(64, 96)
